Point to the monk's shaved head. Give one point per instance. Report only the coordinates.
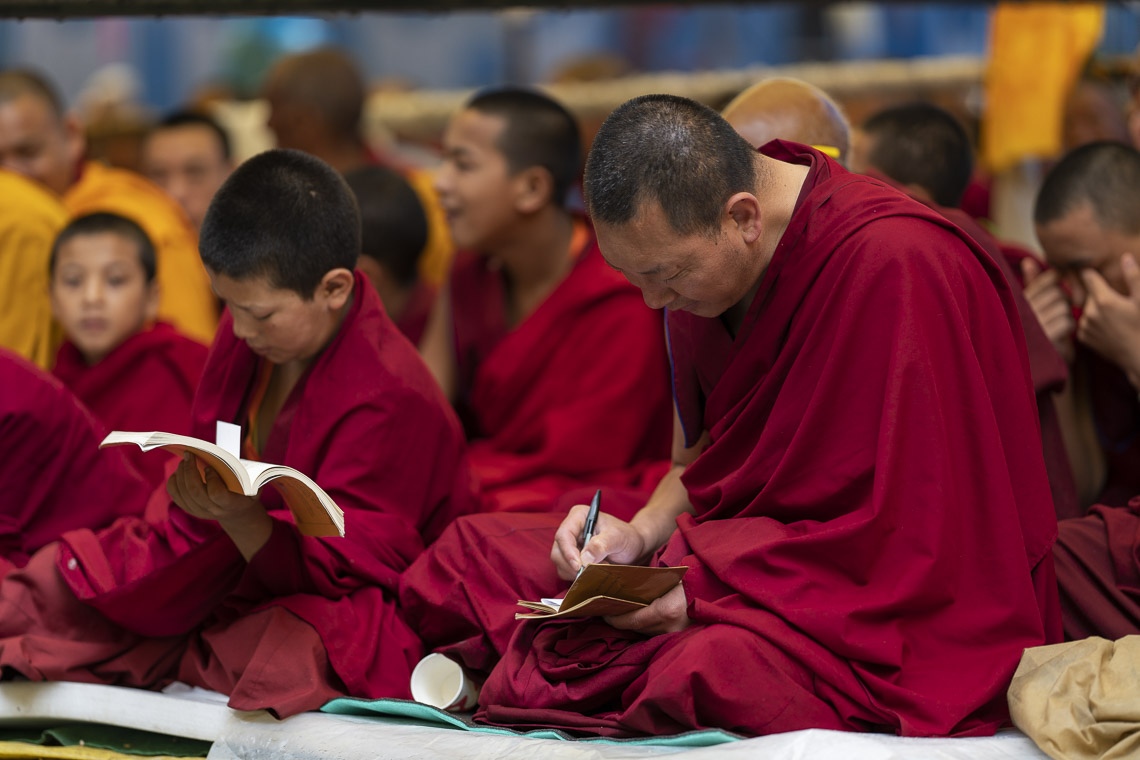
(789, 109)
(324, 84)
(921, 145)
(1104, 175)
(16, 83)
(671, 150)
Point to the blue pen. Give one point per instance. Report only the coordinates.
(591, 523)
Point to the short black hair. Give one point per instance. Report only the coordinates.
(104, 222)
(394, 227)
(922, 144)
(538, 131)
(196, 119)
(1104, 174)
(671, 150)
(283, 215)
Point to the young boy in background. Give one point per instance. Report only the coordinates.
(133, 373)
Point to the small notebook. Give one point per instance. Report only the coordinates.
(603, 590)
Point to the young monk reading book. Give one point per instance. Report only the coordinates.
(555, 364)
(856, 490)
(221, 590)
(53, 476)
(132, 372)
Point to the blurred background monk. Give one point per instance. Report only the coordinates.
(925, 151)
(188, 155)
(40, 141)
(789, 109)
(316, 104)
(52, 472)
(867, 533)
(556, 367)
(30, 217)
(394, 231)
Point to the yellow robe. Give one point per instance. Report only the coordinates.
(186, 300)
(30, 217)
(436, 259)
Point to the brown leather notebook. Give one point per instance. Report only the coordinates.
(603, 590)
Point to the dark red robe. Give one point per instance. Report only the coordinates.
(1046, 366)
(53, 475)
(871, 549)
(306, 619)
(146, 383)
(539, 401)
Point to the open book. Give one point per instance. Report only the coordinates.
(602, 590)
(314, 511)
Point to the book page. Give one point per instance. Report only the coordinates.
(603, 589)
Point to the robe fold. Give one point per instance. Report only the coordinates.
(540, 401)
(1116, 415)
(871, 544)
(146, 383)
(30, 218)
(53, 476)
(186, 300)
(306, 619)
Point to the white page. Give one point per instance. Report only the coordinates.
(228, 437)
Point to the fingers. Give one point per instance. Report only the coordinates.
(564, 554)
(1131, 271)
(1097, 289)
(1030, 268)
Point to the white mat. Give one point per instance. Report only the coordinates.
(198, 714)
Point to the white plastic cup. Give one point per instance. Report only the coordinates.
(440, 682)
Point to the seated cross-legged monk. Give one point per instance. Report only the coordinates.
(868, 542)
(556, 367)
(131, 372)
(53, 475)
(924, 151)
(42, 142)
(221, 590)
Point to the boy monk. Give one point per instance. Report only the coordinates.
(41, 142)
(867, 537)
(221, 590)
(131, 372)
(52, 473)
(556, 366)
(393, 232)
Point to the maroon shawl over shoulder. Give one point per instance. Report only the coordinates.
(53, 475)
(871, 549)
(146, 383)
(575, 396)
(176, 598)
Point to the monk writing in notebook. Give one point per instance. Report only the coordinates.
(39, 140)
(555, 364)
(132, 372)
(221, 590)
(868, 541)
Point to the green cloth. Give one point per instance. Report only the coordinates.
(417, 711)
(125, 740)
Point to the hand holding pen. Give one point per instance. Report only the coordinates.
(590, 525)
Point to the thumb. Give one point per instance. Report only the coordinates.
(1095, 284)
(1131, 271)
(1030, 268)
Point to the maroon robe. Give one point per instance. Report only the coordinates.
(540, 400)
(306, 619)
(871, 545)
(53, 475)
(146, 383)
(1046, 366)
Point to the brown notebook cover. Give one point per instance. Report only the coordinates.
(603, 590)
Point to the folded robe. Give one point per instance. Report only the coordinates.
(540, 401)
(145, 383)
(306, 618)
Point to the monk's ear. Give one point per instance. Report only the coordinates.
(743, 209)
(534, 188)
(75, 139)
(335, 287)
(153, 296)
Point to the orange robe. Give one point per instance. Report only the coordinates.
(30, 217)
(439, 250)
(187, 301)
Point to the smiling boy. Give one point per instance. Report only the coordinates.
(220, 590)
(133, 373)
